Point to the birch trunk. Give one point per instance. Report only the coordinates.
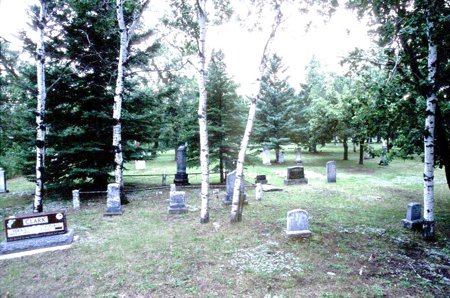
(40, 111)
(202, 120)
(118, 97)
(237, 202)
(428, 232)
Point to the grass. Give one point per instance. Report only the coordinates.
(358, 247)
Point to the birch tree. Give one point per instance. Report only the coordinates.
(126, 32)
(40, 110)
(237, 201)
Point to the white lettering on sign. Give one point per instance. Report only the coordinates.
(35, 220)
(35, 230)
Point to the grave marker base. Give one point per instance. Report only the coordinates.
(8, 247)
(295, 181)
(298, 234)
(412, 224)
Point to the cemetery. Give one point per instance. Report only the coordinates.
(224, 148)
(357, 244)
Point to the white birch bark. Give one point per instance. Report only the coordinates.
(236, 205)
(428, 172)
(202, 117)
(40, 111)
(125, 36)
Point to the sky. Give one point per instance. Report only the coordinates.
(326, 41)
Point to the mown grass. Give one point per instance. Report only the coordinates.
(358, 247)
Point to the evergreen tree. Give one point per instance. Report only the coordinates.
(273, 122)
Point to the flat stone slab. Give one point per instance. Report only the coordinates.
(412, 224)
(9, 247)
(268, 188)
(177, 210)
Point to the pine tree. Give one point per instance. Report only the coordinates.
(273, 121)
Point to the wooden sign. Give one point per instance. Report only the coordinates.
(35, 225)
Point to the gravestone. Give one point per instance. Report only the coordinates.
(281, 157)
(266, 157)
(297, 224)
(177, 202)
(413, 218)
(258, 192)
(331, 171)
(231, 178)
(295, 175)
(173, 187)
(298, 157)
(181, 178)
(383, 161)
(261, 179)
(35, 230)
(76, 199)
(2, 181)
(139, 164)
(113, 205)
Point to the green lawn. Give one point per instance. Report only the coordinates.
(358, 247)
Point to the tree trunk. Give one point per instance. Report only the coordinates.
(38, 205)
(118, 97)
(202, 120)
(345, 144)
(221, 167)
(361, 152)
(237, 203)
(277, 156)
(354, 145)
(428, 231)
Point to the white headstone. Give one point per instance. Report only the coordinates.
(2, 181)
(113, 205)
(297, 224)
(258, 192)
(266, 157)
(139, 164)
(281, 157)
(76, 199)
(298, 157)
(331, 171)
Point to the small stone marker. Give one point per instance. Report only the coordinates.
(2, 181)
(261, 179)
(139, 164)
(173, 187)
(331, 171)
(413, 218)
(231, 178)
(181, 178)
(295, 175)
(298, 157)
(383, 161)
(281, 157)
(76, 199)
(177, 202)
(113, 205)
(297, 224)
(258, 192)
(266, 157)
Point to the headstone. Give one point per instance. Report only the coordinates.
(331, 171)
(413, 218)
(297, 224)
(367, 155)
(295, 175)
(298, 157)
(261, 179)
(258, 192)
(76, 199)
(181, 178)
(281, 157)
(113, 205)
(177, 202)
(173, 187)
(266, 157)
(2, 181)
(139, 164)
(231, 178)
(383, 161)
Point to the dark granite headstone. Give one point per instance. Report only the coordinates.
(295, 175)
(413, 218)
(261, 179)
(181, 178)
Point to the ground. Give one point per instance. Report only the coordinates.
(358, 247)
